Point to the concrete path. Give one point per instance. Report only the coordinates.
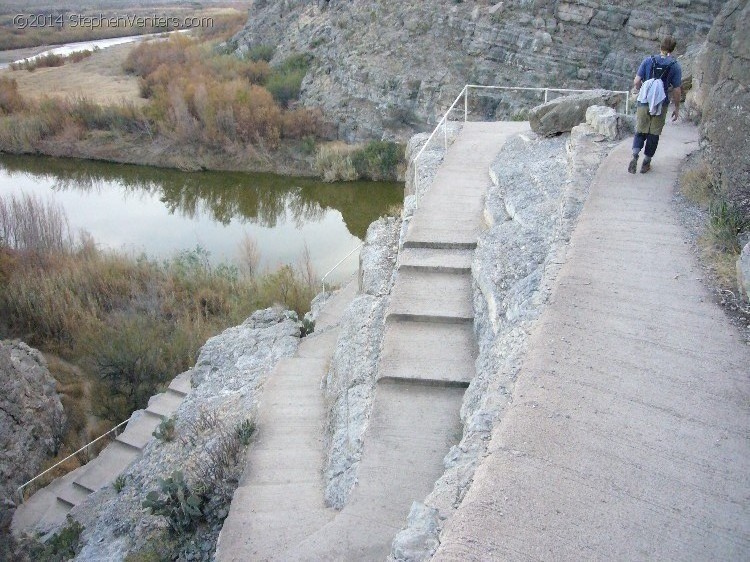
(628, 434)
(49, 506)
(279, 500)
(427, 358)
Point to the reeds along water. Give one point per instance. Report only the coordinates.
(131, 322)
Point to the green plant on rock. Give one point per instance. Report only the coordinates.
(180, 505)
(245, 431)
(726, 222)
(165, 430)
(119, 483)
(63, 545)
(307, 328)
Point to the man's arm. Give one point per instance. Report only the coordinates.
(676, 99)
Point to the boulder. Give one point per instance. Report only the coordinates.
(31, 416)
(743, 271)
(562, 114)
(606, 121)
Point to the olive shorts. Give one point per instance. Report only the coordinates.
(649, 124)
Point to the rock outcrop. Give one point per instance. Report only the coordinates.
(31, 417)
(562, 114)
(722, 95)
(743, 271)
(392, 68)
(351, 379)
(227, 383)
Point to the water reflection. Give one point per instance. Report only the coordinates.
(267, 201)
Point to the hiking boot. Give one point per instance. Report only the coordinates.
(645, 167)
(633, 164)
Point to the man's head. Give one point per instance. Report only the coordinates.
(668, 44)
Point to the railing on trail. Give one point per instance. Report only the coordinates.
(22, 487)
(465, 92)
(335, 267)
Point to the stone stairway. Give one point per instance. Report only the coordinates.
(49, 506)
(426, 363)
(279, 500)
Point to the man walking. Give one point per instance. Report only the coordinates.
(657, 74)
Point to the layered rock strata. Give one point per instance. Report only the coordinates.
(394, 67)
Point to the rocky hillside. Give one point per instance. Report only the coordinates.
(390, 68)
(722, 95)
(31, 419)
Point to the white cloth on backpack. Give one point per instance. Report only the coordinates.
(652, 93)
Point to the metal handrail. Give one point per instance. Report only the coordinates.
(20, 489)
(465, 93)
(443, 121)
(335, 267)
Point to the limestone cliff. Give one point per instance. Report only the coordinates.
(31, 418)
(390, 68)
(722, 95)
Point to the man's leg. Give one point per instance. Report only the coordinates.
(638, 141)
(642, 126)
(652, 141)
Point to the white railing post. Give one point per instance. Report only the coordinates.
(546, 92)
(335, 267)
(466, 103)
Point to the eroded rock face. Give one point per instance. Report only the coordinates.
(31, 416)
(351, 378)
(743, 271)
(722, 80)
(562, 114)
(394, 67)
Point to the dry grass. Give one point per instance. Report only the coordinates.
(99, 78)
(699, 185)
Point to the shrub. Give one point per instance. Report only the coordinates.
(286, 80)
(165, 429)
(119, 483)
(726, 222)
(261, 53)
(63, 545)
(10, 100)
(179, 504)
(245, 431)
(699, 185)
(333, 162)
(302, 124)
(379, 160)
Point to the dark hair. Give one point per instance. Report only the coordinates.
(668, 44)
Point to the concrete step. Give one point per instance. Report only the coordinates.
(73, 494)
(436, 259)
(165, 404)
(181, 383)
(426, 296)
(139, 431)
(433, 353)
(411, 428)
(107, 466)
(335, 307)
(443, 238)
(318, 345)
